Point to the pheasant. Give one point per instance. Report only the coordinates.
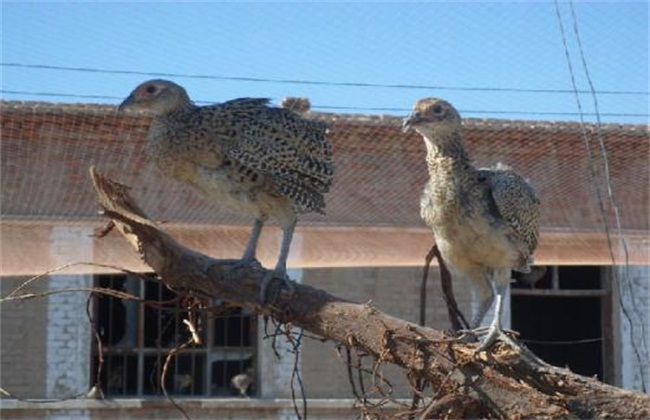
(254, 159)
(485, 221)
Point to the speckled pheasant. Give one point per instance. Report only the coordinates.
(485, 221)
(254, 159)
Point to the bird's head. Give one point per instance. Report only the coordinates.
(156, 96)
(431, 115)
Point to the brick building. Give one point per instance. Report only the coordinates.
(587, 312)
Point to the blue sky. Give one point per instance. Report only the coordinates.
(452, 47)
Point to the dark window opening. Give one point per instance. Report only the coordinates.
(136, 340)
(560, 318)
(580, 277)
(224, 370)
(562, 331)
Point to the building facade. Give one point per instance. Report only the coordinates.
(370, 246)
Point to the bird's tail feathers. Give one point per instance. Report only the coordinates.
(305, 197)
(318, 172)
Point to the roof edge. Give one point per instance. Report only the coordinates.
(382, 119)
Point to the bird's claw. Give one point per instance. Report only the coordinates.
(235, 265)
(243, 263)
(471, 334)
(491, 336)
(287, 283)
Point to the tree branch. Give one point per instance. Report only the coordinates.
(502, 383)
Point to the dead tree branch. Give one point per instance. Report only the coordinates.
(503, 383)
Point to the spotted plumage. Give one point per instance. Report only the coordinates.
(485, 220)
(243, 154)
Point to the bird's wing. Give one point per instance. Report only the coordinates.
(294, 151)
(518, 206)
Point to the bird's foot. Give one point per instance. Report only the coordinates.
(286, 284)
(245, 262)
(466, 335)
(493, 334)
(490, 336)
(471, 335)
(235, 265)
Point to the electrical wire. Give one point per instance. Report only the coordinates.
(592, 170)
(560, 342)
(336, 107)
(312, 82)
(612, 201)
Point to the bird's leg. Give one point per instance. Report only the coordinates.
(486, 293)
(251, 246)
(495, 332)
(280, 270)
(483, 289)
(287, 237)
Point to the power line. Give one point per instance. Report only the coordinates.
(638, 350)
(340, 108)
(313, 82)
(615, 206)
(561, 342)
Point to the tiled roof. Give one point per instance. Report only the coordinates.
(47, 149)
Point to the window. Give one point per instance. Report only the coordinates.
(566, 319)
(136, 339)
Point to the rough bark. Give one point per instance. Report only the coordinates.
(502, 383)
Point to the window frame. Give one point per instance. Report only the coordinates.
(208, 354)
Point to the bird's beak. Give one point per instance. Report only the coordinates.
(409, 121)
(125, 103)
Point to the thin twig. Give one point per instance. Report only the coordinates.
(163, 376)
(423, 285)
(458, 321)
(64, 267)
(98, 342)
(295, 375)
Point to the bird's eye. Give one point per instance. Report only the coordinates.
(437, 109)
(151, 89)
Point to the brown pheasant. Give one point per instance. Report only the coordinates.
(485, 221)
(252, 158)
